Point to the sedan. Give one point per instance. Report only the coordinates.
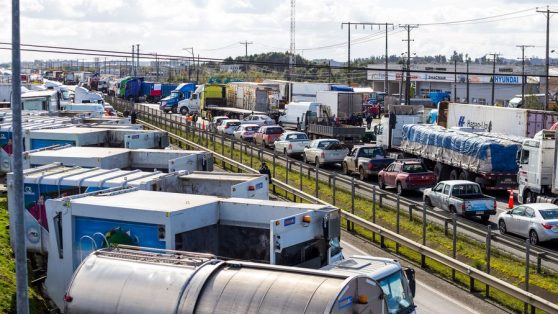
(228, 126)
(258, 119)
(246, 132)
(537, 221)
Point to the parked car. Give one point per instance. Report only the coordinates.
(216, 121)
(246, 132)
(292, 143)
(406, 175)
(536, 221)
(228, 126)
(267, 135)
(325, 151)
(258, 119)
(462, 197)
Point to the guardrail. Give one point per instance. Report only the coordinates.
(426, 252)
(366, 189)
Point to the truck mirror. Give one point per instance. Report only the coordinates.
(410, 274)
(518, 156)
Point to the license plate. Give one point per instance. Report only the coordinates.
(480, 212)
(508, 180)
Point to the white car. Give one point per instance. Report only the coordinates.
(216, 121)
(325, 151)
(228, 126)
(537, 221)
(246, 132)
(258, 119)
(291, 143)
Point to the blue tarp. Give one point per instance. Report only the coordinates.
(489, 153)
(341, 88)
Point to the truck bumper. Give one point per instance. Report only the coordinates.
(473, 213)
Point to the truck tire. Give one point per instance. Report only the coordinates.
(529, 197)
(304, 159)
(441, 171)
(346, 169)
(454, 174)
(465, 175)
(381, 183)
(485, 218)
(174, 110)
(362, 175)
(452, 209)
(399, 189)
(317, 161)
(183, 111)
(428, 202)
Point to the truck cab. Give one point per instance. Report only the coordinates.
(536, 166)
(182, 92)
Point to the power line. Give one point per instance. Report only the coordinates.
(477, 19)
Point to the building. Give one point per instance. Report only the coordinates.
(441, 78)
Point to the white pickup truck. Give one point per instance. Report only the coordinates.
(291, 143)
(325, 151)
(462, 197)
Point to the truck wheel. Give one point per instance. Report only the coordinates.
(452, 209)
(465, 175)
(441, 171)
(346, 169)
(184, 111)
(362, 174)
(174, 110)
(304, 159)
(428, 202)
(285, 151)
(381, 183)
(528, 197)
(485, 218)
(399, 189)
(454, 174)
(317, 161)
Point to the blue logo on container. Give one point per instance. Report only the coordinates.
(461, 122)
(259, 185)
(289, 221)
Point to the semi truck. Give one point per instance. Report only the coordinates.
(258, 97)
(208, 98)
(55, 180)
(538, 180)
(281, 234)
(343, 105)
(154, 92)
(181, 93)
(389, 132)
(525, 122)
(487, 159)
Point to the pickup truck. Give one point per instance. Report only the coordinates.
(325, 151)
(462, 197)
(366, 160)
(291, 143)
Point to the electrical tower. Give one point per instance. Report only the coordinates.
(292, 51)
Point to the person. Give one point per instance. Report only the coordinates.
(133, 116)
(126, 113)
(265, 170)
(368, 121)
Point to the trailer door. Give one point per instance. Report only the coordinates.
(144, 140)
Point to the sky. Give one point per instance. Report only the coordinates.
(215, 28)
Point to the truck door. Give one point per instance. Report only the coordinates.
(353, 164)
(444, 199)
(436, 194)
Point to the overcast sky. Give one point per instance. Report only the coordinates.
(215, 27)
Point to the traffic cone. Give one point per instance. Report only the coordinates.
(510, 200)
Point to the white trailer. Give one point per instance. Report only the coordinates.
(509, 121)
(343, 105)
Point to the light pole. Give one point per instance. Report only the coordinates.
(467, 60)
(191, 50)
(523, 71)
(455, 76)
(494, 56)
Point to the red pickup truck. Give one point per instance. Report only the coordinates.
(406, 175)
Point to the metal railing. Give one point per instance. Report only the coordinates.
(426, 252)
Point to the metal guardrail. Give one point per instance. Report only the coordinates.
(454, 264)
(539, 253)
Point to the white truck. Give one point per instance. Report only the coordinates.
(538, 180)
(267, 232)
(342, 105)
(389, 132)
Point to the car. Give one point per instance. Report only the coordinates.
(291, 143)
(405, 175)
(366, 160)
(216, 121)
(266, 135)
(536, 221)
(325, 151)
(246, 132)
(228, 126)
(258, 119)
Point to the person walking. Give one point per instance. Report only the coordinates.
(265, 170)
(368, 121)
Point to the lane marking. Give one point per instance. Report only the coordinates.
(420, 283)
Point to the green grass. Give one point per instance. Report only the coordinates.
(7, 271)
(469, 251)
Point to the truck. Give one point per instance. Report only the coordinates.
(83, 95)
(202, 283)
(533, 101)
(526, 122)
(56, 180)
(301, 238)
(154, 92)
(389, 132)
(180, 93)
(537, 177)
(366, 160)
(250, 96)
(344, 106)
(485, 158)
(209, 99)
(461, 197)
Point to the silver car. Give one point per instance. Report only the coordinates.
(538, 222)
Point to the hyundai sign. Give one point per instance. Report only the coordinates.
(507, 80)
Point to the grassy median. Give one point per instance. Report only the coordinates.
(503, 265)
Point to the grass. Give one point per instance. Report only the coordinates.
(7, 271)
(469, 251)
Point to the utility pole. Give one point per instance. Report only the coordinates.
(467, 60)
(547, 13)
(137, 59)
(22, 294)
(455, 76)
(348, 50)
(523, 71)
(246, 43)
(494, 56)
(329, 72)
(408, 28)
(133, 58)
(292, 50)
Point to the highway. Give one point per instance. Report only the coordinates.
(434, 295)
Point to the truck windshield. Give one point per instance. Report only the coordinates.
(371, 152)
(175, 94)
(396, 294)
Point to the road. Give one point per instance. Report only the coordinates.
(434, 295)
